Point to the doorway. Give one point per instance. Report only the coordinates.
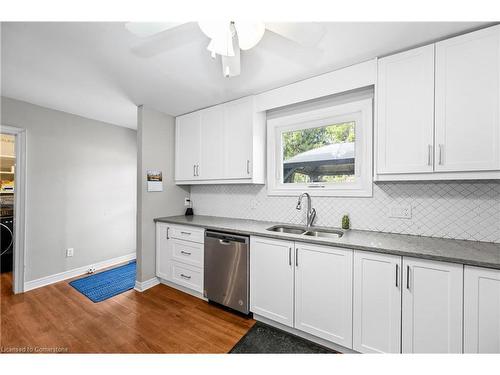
(7, 191)
(12, 205)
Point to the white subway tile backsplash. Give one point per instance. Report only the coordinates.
(460, 210)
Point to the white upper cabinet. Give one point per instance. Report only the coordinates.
(438, 110)
(468, 102)
(187, 146)
(323, 292)
(406, 112)
(377, 303)
(271, 279)
(432, 307)
(481, 310)
(238, 130)
(212, 143)
(227, 145)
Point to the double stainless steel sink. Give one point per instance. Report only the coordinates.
(316, 232)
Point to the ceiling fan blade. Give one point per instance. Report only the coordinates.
(146, 29)
(291, 50)
(307, 34)
(183, 34)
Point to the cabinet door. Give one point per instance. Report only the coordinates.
(187, 146)
(468, 102)
(323, 292)
(211, 164)
(405, 126)
(432, 307)
(271, 279)
(163, 244)
(377, 303)
(238, 132)
(481, 310)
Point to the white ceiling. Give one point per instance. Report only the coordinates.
(101, 71)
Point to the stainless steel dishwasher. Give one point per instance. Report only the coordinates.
(227, 263)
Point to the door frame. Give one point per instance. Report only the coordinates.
(19, 206)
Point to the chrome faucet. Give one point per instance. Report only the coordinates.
(311, 212)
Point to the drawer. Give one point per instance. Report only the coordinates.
(188, 276)
(187, 233)
(187, 252)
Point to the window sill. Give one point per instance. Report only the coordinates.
(321, 192)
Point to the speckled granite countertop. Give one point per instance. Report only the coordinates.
(483, 254)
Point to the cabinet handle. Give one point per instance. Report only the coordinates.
(168, 228)
(185, 277)
(441, 154)
(186, 233)
(185, 252)
(289, 256)
(248, 166)
(429, 155)
(194, 170)
(296, 257)
(197, 170)
(397, 275)
(407, 277)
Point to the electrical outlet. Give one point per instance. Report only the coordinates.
(91, 270)
(253, 204)
(69, 252)
(187, 201)
(401, 212)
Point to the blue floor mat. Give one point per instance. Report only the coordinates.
(107, 284)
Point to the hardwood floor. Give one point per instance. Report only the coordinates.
(57, 318)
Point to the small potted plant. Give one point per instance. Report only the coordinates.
(346, 224)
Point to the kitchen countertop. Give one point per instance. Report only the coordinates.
(474, 253)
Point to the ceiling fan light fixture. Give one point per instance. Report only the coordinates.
(249, 33)
(221, 36)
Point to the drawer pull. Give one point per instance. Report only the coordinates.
(188, 233)
(397, 275)
(185, 276)
(185, 252)
(407, 277)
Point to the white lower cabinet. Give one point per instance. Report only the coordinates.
(323, 292)
(271, 279)
(303, 286)
(179, 256)
(162, 251)
(377, 303)
(432, 306)
(481, 310)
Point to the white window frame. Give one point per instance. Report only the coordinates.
(359, 111)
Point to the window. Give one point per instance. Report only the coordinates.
(324, 152)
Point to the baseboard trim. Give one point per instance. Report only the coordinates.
(47, 280)
(304, 335)
(141, 286)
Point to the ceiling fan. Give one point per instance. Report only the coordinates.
(228, 38)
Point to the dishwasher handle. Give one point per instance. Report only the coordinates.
(226, 238)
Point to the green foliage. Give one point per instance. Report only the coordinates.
(299, 141)
(346, 224)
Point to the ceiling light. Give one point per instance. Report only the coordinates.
(249, 33)
(221, 35)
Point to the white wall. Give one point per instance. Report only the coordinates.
(155, 147)
(81, 188)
